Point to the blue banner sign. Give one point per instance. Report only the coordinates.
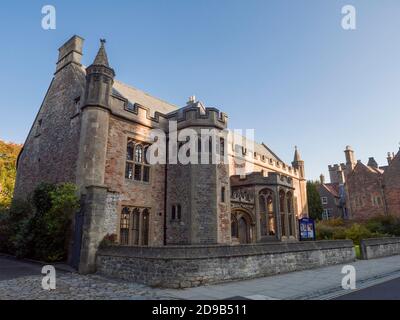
(307, 229)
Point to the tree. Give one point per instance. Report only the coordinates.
(314, 201)
(8, 158)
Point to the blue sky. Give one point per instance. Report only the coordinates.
(285, 68)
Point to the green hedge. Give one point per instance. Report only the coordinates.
(39, 227)
(381, 226)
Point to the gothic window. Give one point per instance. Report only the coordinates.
(282, 213)
(124, 227)
(290, 212)
(137, 167)
(145, 227)
(134, 227)
(263, 216)
(271, 216)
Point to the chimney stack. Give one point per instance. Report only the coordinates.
(372, 163)
(322, 178)
(70, 52)
(389, 158)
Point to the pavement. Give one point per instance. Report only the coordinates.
(22, 280)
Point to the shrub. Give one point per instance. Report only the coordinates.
(108, 240)
(357, 232)
(40, 227)
(387, 225)
(14, 226)
(53, 221)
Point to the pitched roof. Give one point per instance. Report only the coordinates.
(134, 95)
(333, 188)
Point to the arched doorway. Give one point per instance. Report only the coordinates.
(242, 226)
(243, 231)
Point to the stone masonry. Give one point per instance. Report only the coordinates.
(95, 131)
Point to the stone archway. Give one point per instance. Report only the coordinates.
(242, 226)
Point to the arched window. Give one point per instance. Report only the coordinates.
(282, 213)
(124, 226)
(223, 194)
(263, 216)
(145, 227)
(135, 226)
(290, 211)
(271, 216)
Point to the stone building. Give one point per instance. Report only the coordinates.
(333, 199)
(96, 131)
(371, 190)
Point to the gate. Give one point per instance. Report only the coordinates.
(77, 241)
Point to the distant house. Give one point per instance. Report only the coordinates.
(333, 199)
(370, 189)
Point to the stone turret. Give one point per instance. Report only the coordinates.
(92, 155)
(202, 190)
(99, 80)
(298, 163)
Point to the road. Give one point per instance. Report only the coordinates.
(11, 269)
(389, 290)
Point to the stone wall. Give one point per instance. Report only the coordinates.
(134, 193)
(364, 187)
(392, 186)
(188, 266)
(380, 247)
(53, 141)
